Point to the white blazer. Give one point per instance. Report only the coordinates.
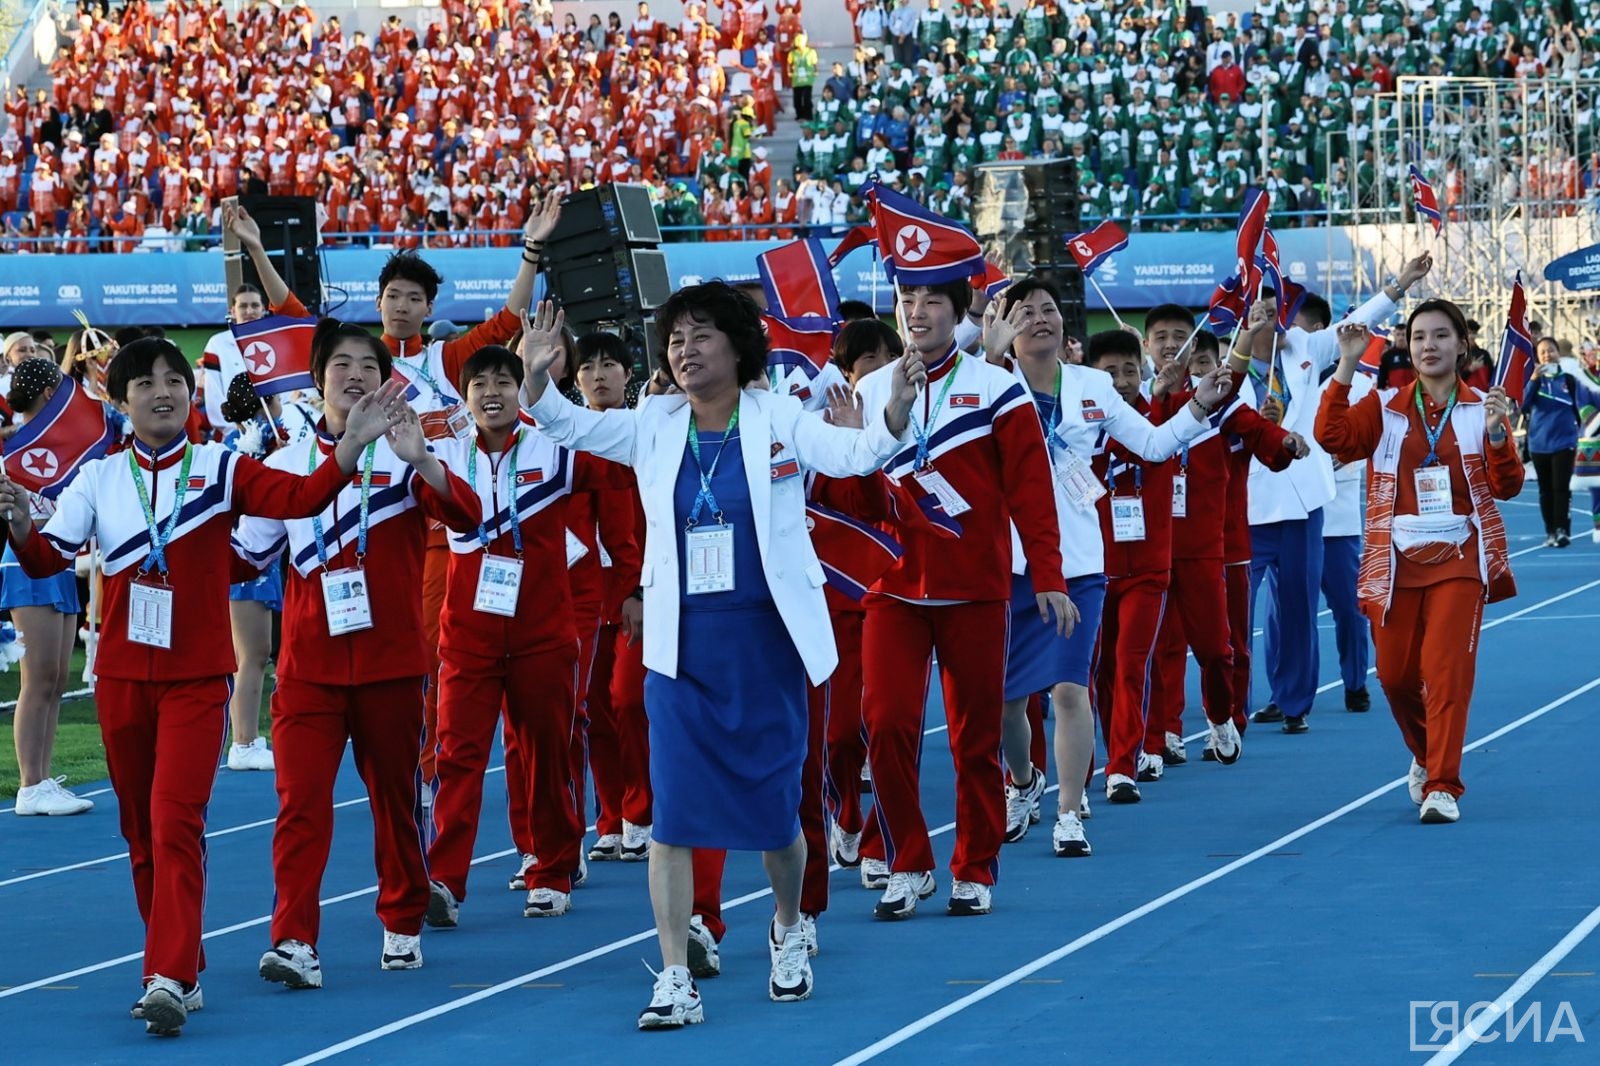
(772, 429)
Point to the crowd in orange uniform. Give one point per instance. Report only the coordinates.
(154, 116)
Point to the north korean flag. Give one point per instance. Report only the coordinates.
(857, 237)
(1231, 301)
(918, 246)
(1423, 197)
(1252, 224)
(1291, 295)
(853, 554)
(1096, 246)
(798, 281)
(45, 454)
(1514, 371)
(992, 282)
(1372, 359)
(277, 352)
(806, 343)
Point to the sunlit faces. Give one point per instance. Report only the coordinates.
(1435, 345)
(158, 403)
(1124, 371)
(1040, 330)
(492, 399)
(929, 320)
(603, 382)
(351, 372)
(866, 363)
(1164, 338)
(22, 348)
(701, 355)
(1547, 350)
(248, 307)
(404, 307)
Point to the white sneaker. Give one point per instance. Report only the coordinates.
(1067, 837)
(846, 847)
(547, 903)
(1035, 813)
(1440, 809)
(1120, 788)
(1177, 752)
(874, 875)
(808, 929)
(401, 952)
(1084, 813)
(1151, 767)
(1019, 805)
(1224, 740)
(444, 910)
(705, 957)
(48, 797)
(635, 842)
(900, 897)
(252, 756)
(519, 880)
(969, 898)
(193, 1000)
(1416, 777)
(608, 848)
(674, 1003)
(791, 966)
(162, 1007)
(293, 964)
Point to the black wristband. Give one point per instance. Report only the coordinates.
(532, 260)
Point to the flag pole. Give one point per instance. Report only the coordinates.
(1103, 299)
(1178, 356)
(92, 645)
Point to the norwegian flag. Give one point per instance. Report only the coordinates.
(1515, 369)
(857, 237)
(1231, 301)
(853, 554)
(798, 281)
(45, 454)
(1097, 245)
(1423, 197)
(1252, 224)
(918, 246)
(1291, 294)
(992, 282)
(277, 352)
(806, 343)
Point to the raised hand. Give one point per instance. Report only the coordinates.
(1416, 270)
(1353, 340)
(844, 408)
(237, 220)
(1214, 387)
(375, 412)
(542, 220)
(1001, 331)
(910, 376)
(407, 439)
(1169, 378)
(1496, 407)
(540, 347)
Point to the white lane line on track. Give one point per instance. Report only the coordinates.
(928, 1021)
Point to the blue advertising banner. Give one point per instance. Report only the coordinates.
(187, 288)
(1578, 271)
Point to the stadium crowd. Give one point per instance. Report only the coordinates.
(441, 136)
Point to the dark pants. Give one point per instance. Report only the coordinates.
(803, 111)
(1554, 470)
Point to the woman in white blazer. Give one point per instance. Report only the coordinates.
(735, 618)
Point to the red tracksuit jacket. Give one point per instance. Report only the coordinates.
(1126, 474)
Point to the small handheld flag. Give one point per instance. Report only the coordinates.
(1252, 224)
(1423, 197)
(277, 352)
(1290, 294)
(1094, 247)
(1514, 371)
(45, 454)
(798, 281)
(857, 237)
(803, 343)
(853, 554)
(992, 282)
(919, 247)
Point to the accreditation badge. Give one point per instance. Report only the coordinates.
(709, 559)
(150, 613)
(1180, 495)
(345, 599)
(935, 483)
(1433, 490)
(1127, 518)
(499, 582)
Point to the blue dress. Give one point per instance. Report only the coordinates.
(19, 590)
(728, 734)
(268, 588)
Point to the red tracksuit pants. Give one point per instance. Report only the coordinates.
(163, 739)
(897, 646)
(518, 770)
(1237, 578)
(846, 736)
(619, 733)
(310, 724)
(435, 568)
(537, 692)
(1123, 658)
(1196, 617)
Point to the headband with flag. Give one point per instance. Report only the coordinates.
(1290, 294)
(798, 281)
(1423, 197)
(277, 352)
(1514, 371)
(1252, 224)
(919, 247)
(45, 453)
(1094, 247)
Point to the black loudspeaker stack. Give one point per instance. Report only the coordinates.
(1024, 211)
(289, 233)
(602, 266)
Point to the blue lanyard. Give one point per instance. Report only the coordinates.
(930, 418)
(704, 498)
(160, 538)
(1433, 435)
(366, 493)
(494, 493)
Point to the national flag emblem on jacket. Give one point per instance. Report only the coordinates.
(1514, 371)
(44, 454)
(804, 343)
(1097, 245)
(277, 352)
(854, 555)
(918, 246)
(968, 400)
(798, 281)
(1427, 203)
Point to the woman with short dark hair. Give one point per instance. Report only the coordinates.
(728, 566)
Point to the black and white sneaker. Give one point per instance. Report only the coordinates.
(969, 899)
(1019, 806)
(193, 1000)
(1151, 767)
(162, 1007)
(607, 848)
(1224, 744)
(874, 875)
(791, 966)
(808, 929)
(1121, 789)
(293, 964)
(519, 880)
(674, 1002)
(846, 847)
(546, 903)
(401, 952)
(1174, 751)
(705, 958)
(444, 911)
(1067, 837)
(900, 897)
(635, 842)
